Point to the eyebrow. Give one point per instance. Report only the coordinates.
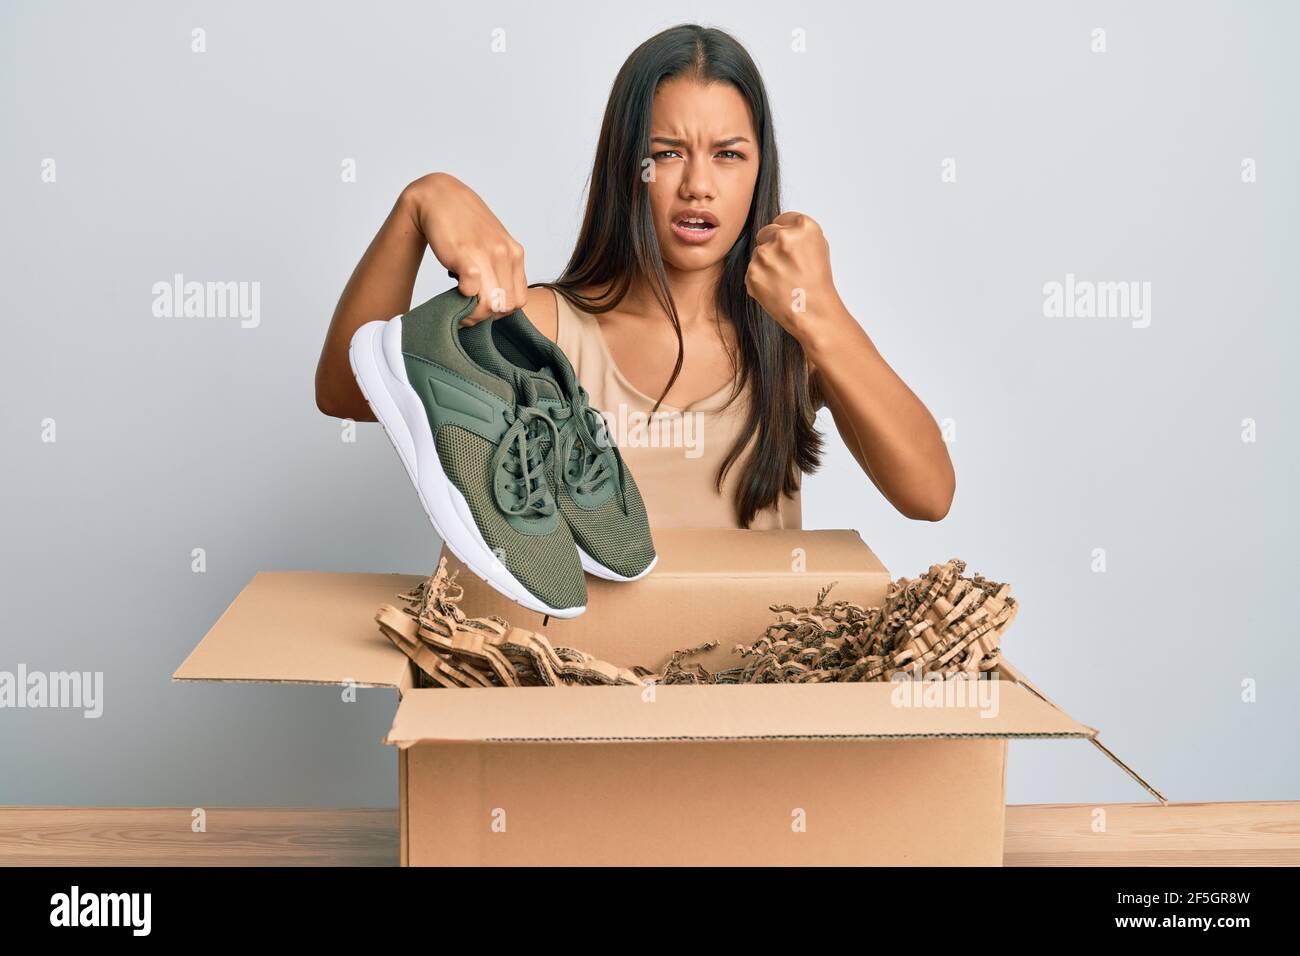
(718, 144)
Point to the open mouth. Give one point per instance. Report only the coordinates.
(695, 225)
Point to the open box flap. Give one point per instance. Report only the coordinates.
(1010, 672)
(312, 627)
(722, 712)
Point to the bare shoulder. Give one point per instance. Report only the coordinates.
(542, 311)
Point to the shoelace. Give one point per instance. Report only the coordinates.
(593, 460)
(519, 454)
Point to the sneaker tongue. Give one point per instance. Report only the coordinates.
(554, 365)
(567, 383)
(478, 345)
(546, 385)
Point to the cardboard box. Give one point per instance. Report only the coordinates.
(708, 585)
(672, 775)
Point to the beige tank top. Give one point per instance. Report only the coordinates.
(675, 456)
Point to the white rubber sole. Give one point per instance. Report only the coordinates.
(375, 355)
(595, 568)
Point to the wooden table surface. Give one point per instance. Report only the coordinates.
(1118, 834)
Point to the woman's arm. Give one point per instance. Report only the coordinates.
(443, 213)
(886, 427)
(380, 288)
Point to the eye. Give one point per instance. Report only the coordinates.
(733, 153)
(663, 152)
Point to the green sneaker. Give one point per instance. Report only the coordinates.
(475, 452)
(594, 488)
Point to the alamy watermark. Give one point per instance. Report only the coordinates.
(75, 908)
(665, 429)
(1085, 299)
(75, 690)
(179, 299)
(932, 690)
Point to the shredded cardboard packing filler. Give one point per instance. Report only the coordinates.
(940, 623)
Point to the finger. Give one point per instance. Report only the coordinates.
(478, 279)
(766, 234)
(507, 299)
(520, 278)
(498, 294)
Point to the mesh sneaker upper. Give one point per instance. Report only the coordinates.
(547, 565)
(621, 542)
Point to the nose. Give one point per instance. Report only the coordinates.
(697, 181)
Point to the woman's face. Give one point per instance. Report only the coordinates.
(705, 155)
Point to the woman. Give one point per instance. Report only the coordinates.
(703, 323)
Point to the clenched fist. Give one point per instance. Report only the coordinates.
(789, 274)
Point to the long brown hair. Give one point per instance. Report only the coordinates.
(617, 242)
